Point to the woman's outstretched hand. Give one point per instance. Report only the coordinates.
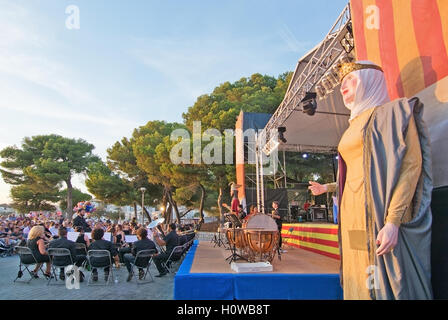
(317, 188)
(387, 239)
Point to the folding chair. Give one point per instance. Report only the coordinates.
(172, 258)
(97, 255)
(26, 259)
(143, 260)
(185, 248)
(81, 249)
(59, 254)
(159, 248)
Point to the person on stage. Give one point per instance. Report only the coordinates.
(384, 191)
(235, 201)
(278, 219)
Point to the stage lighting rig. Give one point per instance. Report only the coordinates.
(309, 104)
(281, 131)
(347, 42)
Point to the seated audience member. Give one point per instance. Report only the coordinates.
(143, 243)
(119, 236)
(16, 237)
(82, 237)
(53, 228)
(100, 244)
(170, 241)
(183, 237)
(27, 228)
(37, 246)
(63, 242)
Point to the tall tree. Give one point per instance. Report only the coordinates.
(47, 159)
(145, 141)
(122, 161)
(34, 197)
(219, 110)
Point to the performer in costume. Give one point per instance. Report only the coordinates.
(384, 188)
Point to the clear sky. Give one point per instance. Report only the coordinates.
(140, 60)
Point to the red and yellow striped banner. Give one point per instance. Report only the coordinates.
(318, 238)
(408, 38)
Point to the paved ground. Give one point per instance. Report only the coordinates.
(159, 289)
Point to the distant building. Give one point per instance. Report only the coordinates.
(6, 209)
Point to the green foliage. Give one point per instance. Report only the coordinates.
(34, 197)
(255, 94)
(106, 185)
(45, 160)
(305, 169)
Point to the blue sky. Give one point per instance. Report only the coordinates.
(135, 61)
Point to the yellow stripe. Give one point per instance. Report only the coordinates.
(443, 10)
(371, 35)
(407, 50)
(311, 225)
(314, 246)
(323, 236)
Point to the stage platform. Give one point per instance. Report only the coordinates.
(300, 274)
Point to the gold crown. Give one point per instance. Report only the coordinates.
(347, 67)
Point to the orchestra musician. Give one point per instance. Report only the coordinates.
(278, 219)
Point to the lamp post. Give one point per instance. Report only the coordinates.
(143, 189)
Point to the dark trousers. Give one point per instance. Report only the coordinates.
(122, 252)
(79, 260)
(280, 236)
(158, 259)
(101, 262)
(106, 270)
(128, 258)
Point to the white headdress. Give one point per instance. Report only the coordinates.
(371, 90)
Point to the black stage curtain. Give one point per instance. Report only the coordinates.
(270, 195)
(439, 245)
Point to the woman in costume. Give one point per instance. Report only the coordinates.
(384, 188)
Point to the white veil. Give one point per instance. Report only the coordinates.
(370, 92)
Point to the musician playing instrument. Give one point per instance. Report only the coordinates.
(278, 219)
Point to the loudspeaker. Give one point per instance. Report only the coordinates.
(319, 214)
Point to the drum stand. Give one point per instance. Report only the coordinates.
(234, 256)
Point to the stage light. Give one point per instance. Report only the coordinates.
(281, 131)
(305, 155)
(337, 157)
(327, 85)
(320, 92)
(309, 104)
(332, 79)
(347, 42)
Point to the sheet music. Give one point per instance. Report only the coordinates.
(130, 238)
(72, 236)
(107, 236)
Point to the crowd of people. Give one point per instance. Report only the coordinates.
(43, 231)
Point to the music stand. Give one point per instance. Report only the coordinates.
(217, 239)
(236, 223)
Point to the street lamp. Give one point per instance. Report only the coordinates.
(143, 189)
